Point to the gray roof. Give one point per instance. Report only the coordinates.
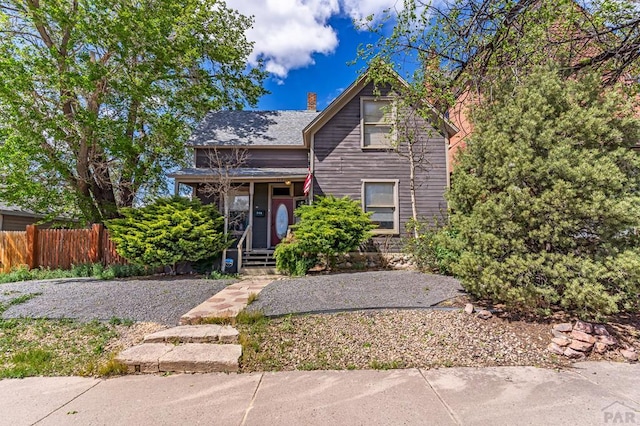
(16, 211)
(244, 172)
(252, 128)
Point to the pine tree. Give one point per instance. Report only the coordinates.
(545, 199)
(169, 231)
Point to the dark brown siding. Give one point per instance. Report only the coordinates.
(340, 164)
(266, 158)
(16, 223)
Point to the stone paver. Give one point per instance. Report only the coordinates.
(201, 358)
(206, 333)
(144, 358)
(229, 302)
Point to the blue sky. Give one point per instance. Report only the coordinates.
(306, 46)
(327, 76)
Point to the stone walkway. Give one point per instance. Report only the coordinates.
(229, 302)
(192, 348)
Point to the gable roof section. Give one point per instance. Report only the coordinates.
(252, 129)
(346, 96)
(10, 209)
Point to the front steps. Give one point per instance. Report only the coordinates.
(193, 347)
(185, 349)
(262, 257)
(259, 262)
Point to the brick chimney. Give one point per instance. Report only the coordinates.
(312, 104)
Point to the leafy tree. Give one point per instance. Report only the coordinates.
(328, 227)
(169, 231)
(545, 199)
(98, 97)
(477, 43)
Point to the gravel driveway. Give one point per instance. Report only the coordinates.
(362, 290)
(161, 300)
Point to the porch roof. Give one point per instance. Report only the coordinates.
(244, 173)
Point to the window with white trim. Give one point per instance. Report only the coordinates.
(376, 119)
(381, 198)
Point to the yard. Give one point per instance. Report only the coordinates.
(368, 320)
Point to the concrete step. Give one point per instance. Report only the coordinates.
(185, 358)
(207, 333)
(259, 270)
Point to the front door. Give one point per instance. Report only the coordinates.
(281, 218)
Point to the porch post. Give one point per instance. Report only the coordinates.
(251, 191)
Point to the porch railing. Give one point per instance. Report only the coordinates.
(241, 246)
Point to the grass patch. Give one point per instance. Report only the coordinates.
(250, 317)
(217, 275)
(119, 321)
(252, 298)
(40, 347)
(96, 270)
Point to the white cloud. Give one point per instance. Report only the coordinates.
(287, 33)
(359, 10)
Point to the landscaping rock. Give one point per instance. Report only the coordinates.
(600, 347)
(565, 327)
(581, 346)
(555, 349)
(600, 330)
(629, 354)
(583, 337)
(468, 308)
(484, 314)
(573, 354)
(559, 334)
(585, 327)
(561, 341)
(607, 340)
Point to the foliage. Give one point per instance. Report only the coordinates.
(169, 231)
(328, 227)
(450, 46)
(545, 199)
(39, 347)
(98, 97)
(430, 247)
(97, 270)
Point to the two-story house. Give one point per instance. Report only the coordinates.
(346, 149)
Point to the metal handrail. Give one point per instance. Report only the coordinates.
(240, 245)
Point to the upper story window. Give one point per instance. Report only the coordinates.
(375, 122)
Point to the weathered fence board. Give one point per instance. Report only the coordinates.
(57, 248)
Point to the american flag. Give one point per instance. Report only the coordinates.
(307, 183)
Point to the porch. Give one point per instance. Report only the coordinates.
(258, 208)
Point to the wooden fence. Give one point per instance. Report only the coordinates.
(57, 248)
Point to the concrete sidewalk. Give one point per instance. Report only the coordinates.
(590, 394)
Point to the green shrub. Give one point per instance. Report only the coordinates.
(432, 250)
(328, 227)
(169, 231)
(546, 200)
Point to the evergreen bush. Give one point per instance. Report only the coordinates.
(545, 197)
(328, 227)
(169, 231)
